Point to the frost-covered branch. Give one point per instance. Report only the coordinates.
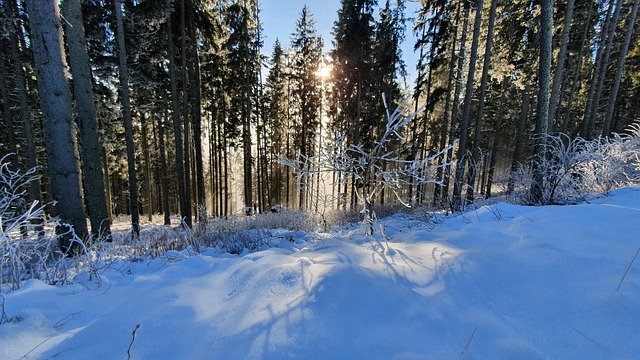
(372, 168)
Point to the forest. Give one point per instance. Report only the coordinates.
(142, 107)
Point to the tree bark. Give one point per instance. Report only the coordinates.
(542, 111)
(92, 176)
(55, 99)
(128, 122)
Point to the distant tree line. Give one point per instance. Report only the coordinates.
(167, 106)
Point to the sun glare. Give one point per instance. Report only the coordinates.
(323, 71)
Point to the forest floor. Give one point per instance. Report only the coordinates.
(501, 281)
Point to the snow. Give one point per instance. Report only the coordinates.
(499, 282)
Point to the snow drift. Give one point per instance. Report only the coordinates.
(502, 281)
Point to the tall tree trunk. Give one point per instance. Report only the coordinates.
(185, 115)
(466, 112)
(542, 111)
(164, 177)
(481, 99)
(55, 99)
(177, 126)
(439, 190)
(197, 128)
(14, 32)
(604, 51)
(80, 66)
(147, 166)
(497, 137)
(576, 82)
(128, 121)
(519, 141)
(8, 117)
(557, 77)
(606, 129)
(455, 118)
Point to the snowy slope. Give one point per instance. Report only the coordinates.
(502, 282)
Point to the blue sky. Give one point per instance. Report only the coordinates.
(279, 20)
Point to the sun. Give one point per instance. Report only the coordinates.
(324, 71)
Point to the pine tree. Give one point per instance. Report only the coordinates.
(306, 47)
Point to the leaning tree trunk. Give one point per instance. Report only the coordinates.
(128, 126)
(542, 115)
(55, 100)
(92, 177)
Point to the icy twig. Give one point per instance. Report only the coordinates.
(133, 339)
(473, 334)
(628, 268)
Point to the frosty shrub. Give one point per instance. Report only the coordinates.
(579, 167)
(372, 167)
(25, 254)
(235, 234)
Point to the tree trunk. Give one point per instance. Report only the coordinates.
(542, 111)
(80, 66)
(147, 166)
(128, 121)
(185, 116)
(55, 99)
(177, 126)
(466, 112)
(164, 177)
(455, 120)
(483, 93)
(497, 137)
(557, 78)
(576, 82)
(609, 34)
(606, 129)
(15, 34)
(439, 192)
(8, 117)
(517, 152)
(197, 129)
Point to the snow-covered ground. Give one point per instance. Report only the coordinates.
(501, 282)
